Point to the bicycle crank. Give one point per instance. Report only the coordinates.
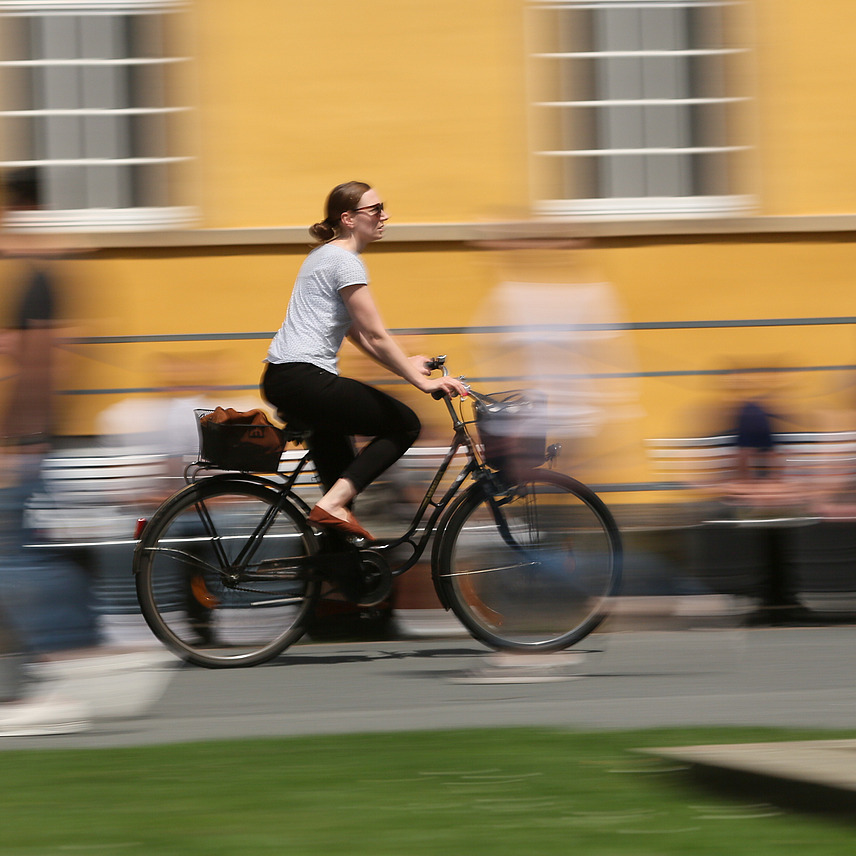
(375, 584)
(362, 577)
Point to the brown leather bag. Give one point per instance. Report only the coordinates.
(240, 440)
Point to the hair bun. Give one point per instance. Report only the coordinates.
(322, 231)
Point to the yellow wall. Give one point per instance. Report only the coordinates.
(805, 73)
(422, 98)
(426, 99)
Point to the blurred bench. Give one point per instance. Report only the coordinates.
(826, 458)
(92, 496)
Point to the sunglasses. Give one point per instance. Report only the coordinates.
(375, 210)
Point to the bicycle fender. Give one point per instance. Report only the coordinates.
(266, 482)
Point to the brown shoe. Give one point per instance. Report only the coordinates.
(348, 528)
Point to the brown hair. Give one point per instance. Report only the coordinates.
(342, 198)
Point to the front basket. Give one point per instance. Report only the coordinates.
(510, 427)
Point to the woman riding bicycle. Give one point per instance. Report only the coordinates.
(331, 300)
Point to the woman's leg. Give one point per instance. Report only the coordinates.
(333, 452)
(337, 408)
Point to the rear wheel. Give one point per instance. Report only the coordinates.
(533, 568)
(223, 573)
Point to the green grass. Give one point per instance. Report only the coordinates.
(496, 792)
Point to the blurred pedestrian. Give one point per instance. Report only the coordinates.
(49, 624)
(564, 340)
(765, 497)
(44, 596)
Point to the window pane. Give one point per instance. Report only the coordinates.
(149, 183)
(63, 137)
(146, 37)
(104, 87)
(621, 127)
(669, 175)
(707, 76)
(619, 78)
(16, 38)
(108, 187)
(664, 77)
(57, 88)
(667, 126)
(663, 29)
(710, 123)
(586, 180)
(616, 30)
(149, 135)
(65, 186)
(17, 91)
(56, 37)
(106, 137)
(705, 27)
(103, 37)
(19, 136)
(623, 175)
(711, 173)
(87, 104)
(146, 85)
(656, 94)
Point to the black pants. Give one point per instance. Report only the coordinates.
(335, 409)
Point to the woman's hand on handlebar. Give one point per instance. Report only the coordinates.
(437, 387)
(422, 364)
(442, 386)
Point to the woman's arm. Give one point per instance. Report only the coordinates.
(370, 335)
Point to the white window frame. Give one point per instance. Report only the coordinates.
(122, 212)
(558, 111)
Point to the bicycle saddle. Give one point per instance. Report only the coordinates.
(294, 432)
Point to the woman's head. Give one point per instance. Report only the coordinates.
(343, 198)
(354, 214)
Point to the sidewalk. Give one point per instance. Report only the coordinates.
(814, 775)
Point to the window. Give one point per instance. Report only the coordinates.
(87, 102)
(635, 109)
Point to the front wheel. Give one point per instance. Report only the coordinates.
(533, 568)
(224, 573)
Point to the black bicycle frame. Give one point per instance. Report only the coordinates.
(473, 468)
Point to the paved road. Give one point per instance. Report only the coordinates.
(640, 679)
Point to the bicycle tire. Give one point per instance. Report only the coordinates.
(544, 585)
(183, 563)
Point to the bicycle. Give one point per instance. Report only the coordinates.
(228, 570)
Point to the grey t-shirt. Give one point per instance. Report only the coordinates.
(317, 320)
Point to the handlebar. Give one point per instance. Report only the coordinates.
(439, 364)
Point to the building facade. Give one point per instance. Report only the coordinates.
(631, 201)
